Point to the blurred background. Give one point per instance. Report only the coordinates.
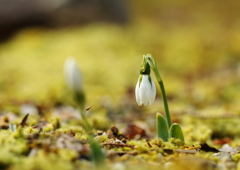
(195, 43)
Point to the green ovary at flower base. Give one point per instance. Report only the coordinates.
(145, 94)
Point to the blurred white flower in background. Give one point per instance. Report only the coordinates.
(73, 75)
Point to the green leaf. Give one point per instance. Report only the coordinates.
(96, 152)
(176, 132)
(162, 127)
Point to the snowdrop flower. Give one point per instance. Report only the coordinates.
(72, 75)
(145, 90)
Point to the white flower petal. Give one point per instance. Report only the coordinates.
(146, 91)
(137, 92)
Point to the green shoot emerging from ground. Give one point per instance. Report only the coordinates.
(74, 83)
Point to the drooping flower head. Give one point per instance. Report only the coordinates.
(145, 90)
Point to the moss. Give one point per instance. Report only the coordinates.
(81, 136)
(69, 130)
(68, 155)
(101, 138)
(48, 128)
(236, 157)
(55, 122)
(157, 143)
(45, 161)
(150, 157)
(45, 135)
(8, 158)
(211, 122)
(140, 146)
(115, 148)
(100, 121)
(176, 142)
(238, 166)
(29, 130)
(197, 132)
(13, 147)
(18, 133)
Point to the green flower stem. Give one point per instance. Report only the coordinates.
(169, 122)
(95, 148)
(86, 125)
(149, 58)
(80, 100)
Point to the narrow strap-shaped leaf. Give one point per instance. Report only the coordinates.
(162, 127)
(176, 132)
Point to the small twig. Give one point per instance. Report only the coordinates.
(118, 145)
(192, 151)
(149, 145)
(120, 153)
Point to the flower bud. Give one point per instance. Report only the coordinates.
(73, 76)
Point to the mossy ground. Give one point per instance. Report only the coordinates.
(197, 52)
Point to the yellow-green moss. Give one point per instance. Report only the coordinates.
(100, 121)
(152, 156)
(101, 138)
(55, 122)
(236, 157)
(80, 135)
(67, 154)
(47, 161)
(70, 129)
(140, 146)
(48, 128)
(196, 132)
(13, 147)
(18, 133)
(30, 130)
